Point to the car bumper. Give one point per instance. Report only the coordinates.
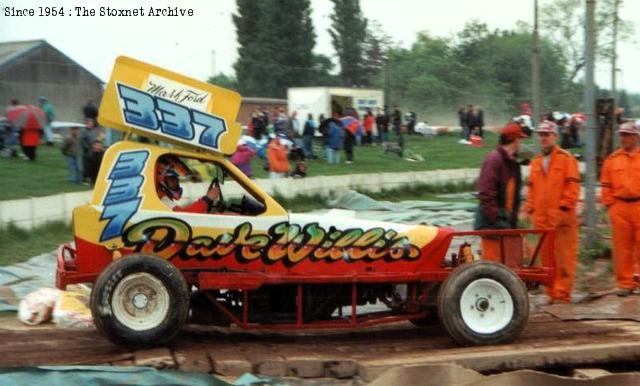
(67, 268)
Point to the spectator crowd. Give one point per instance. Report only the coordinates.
(28, 126)
(283, 140)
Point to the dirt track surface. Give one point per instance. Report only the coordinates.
(366, 353)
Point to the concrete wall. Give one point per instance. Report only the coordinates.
(31, 212)
(46, 72)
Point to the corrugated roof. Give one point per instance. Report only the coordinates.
(12, 51)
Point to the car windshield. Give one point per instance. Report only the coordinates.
(183, 180)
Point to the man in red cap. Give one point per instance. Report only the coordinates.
(553, 189)
(499, 189)
(620, 181)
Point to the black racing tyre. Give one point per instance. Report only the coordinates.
(140, 301)
(483, 303)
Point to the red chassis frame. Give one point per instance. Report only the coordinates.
(67, 273)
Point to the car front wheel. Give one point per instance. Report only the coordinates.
(139, 301)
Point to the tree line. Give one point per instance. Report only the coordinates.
(478, 65)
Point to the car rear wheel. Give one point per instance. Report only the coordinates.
(139, 301)
(483, 303)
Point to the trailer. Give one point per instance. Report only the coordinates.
(319, 100)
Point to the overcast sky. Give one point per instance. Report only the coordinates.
(187, 44)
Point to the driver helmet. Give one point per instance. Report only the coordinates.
(174, 193)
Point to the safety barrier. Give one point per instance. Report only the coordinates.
(31, 212)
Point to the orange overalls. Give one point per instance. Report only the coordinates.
(552, 196)
(620, 180)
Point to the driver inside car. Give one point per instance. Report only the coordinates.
(170, 192)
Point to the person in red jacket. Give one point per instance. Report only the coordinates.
(369, 121)
(170, 193)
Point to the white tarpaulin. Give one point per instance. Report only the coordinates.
(438, 213)
(18, 280)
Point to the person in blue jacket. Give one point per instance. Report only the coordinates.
(335, 138)
(308, 134)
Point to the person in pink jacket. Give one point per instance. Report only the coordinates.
(242, 158)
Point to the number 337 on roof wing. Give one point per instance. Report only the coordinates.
(167, 118)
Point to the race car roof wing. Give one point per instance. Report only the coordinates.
(157, 103)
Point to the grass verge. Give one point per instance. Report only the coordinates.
(302, 202)
(17, 245)
(48, 174)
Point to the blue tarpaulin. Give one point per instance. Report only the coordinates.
(103, 376)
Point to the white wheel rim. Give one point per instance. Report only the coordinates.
(140, 301)
(486, 306)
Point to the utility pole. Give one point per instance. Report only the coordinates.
(387, 80)
(589, 107)
(614, 59)
(535, 68)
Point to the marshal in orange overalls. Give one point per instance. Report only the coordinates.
(552, 195)
(620, 180)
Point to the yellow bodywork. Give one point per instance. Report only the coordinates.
(270, 237)
(88, 225)
(197, 121)
(175, 88)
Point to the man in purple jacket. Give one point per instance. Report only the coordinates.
(499, 189)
